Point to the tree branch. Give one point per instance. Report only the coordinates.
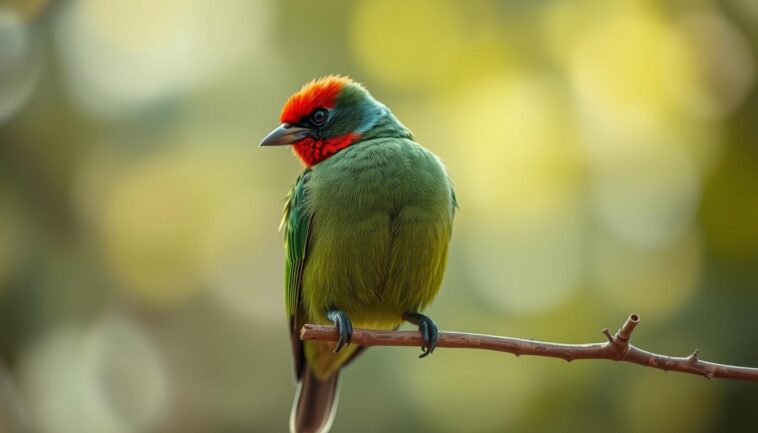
(617, 348)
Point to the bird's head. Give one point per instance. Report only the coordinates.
(326, 116)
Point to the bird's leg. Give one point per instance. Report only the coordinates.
(344, 326)
(428, 330)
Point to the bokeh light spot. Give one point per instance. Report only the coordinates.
(632, 66)
(406, 44)
(13, 415)
(156, 218)
(61, 388)
(19, 63)
(652, 282)
(522, 180)
(723, 65)
(120, 56)
(105, 380)
(647, 195)
(130, 372)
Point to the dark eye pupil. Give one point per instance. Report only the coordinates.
(319, 116)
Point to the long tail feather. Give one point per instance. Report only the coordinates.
(315, 403)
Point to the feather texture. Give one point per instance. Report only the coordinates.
(380, 216)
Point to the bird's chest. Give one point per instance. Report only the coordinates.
(353, 232)
(353, 199)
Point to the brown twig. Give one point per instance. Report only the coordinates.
(617, 348)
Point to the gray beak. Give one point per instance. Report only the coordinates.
(284, 135)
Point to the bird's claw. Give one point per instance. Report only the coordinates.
(344, 327)
(428, 330)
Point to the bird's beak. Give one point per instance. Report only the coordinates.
(283, 135)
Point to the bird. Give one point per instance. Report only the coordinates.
(367, 227)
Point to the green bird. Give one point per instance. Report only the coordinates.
(367, 227)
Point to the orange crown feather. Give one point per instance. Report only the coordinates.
(317, 93)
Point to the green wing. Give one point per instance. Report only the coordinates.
(296, 224)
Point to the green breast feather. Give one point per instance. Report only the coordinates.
(367, 232)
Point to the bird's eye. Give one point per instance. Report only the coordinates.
(319, 117)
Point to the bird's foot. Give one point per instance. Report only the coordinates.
(428, 330)
(344, 327)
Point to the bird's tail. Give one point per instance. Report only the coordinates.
(315, 403)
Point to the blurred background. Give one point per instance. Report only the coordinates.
(604, 156)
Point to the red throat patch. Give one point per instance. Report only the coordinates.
(318, 93)
(312, 151)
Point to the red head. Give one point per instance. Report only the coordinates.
(315, 94)
(324, 117)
